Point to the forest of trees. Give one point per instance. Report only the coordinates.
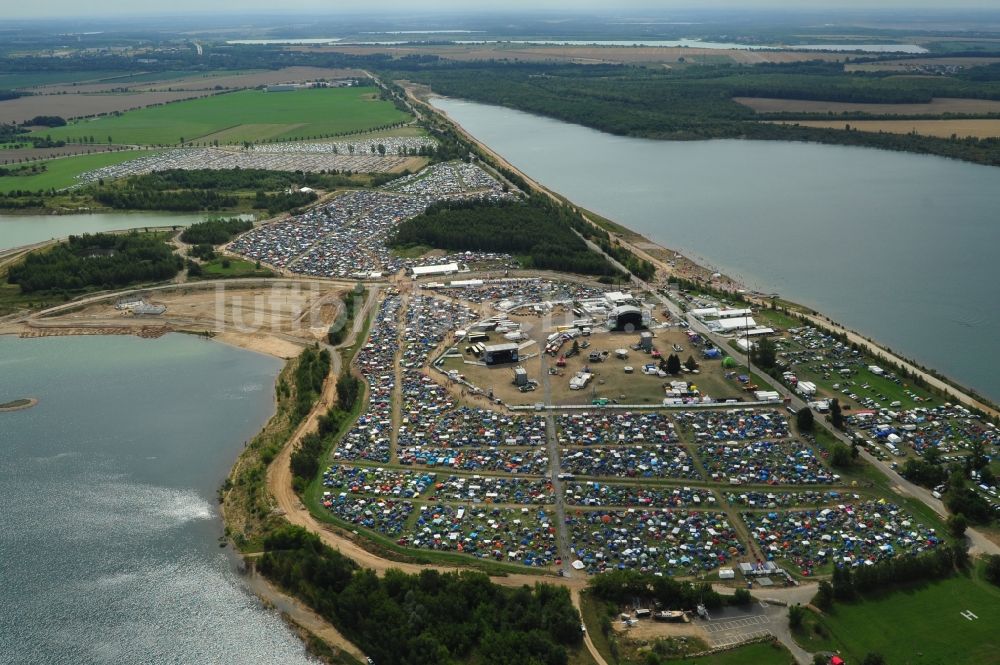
(215, 231)
(537, 230)
(432, 618)
(96, 261)
(188, 191)
(189, 200)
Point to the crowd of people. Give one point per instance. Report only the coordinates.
(396, 146)
(525, 536)
(653, 461)
(615, 428)
(858, 533)
(659, 541)
(734, 424)
(757, 499)
(370, 438)
(763, 463)
(596, 493)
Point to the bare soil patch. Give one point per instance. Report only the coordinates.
(935, 107)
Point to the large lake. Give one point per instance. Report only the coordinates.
(900, 247)
(18, 230)
(108, 517)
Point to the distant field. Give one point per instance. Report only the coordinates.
(208, 80)
(243, 116)
(922, 625)
(940, 128)
(908, 63)
(77, 105)
(62, 172)
(9, 81)
(586, 54)
(935, 107)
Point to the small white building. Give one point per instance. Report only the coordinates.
(430, 271)
(736, 323)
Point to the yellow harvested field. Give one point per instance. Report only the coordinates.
(935, 107)
(940, 128)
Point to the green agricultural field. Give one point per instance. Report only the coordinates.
(923, 625)
(62, 172)
(249, 115)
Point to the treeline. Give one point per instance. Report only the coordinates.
(338, 330)
(250, 180)
(47, 121)
(215, 231)
(100, 260)
(942, 561)
(311, 372)
(307, 458)
(624, 586)
(26, 170)
(537, 230)
(428, 619)
(189, 200)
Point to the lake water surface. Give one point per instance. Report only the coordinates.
(108, 517)
(18, 230)
(900, 247)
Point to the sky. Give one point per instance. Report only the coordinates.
(95, 8)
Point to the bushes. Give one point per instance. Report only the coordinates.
(622, 586)
(805, 420)
(992, 569)
(924, 473)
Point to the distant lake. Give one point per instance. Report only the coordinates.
(900, 247)
(697, 43)
(265, 42)
(108, 513)
(19, 230)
